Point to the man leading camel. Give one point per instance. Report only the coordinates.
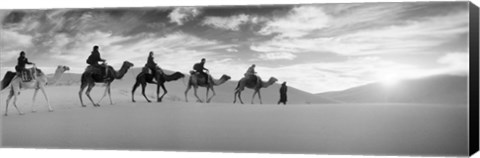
(283, 94)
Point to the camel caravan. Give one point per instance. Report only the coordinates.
(98, 71)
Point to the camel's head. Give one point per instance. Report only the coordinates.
(63, 68)
(181, 75)
(226, 77)
(127, 64)
(273, 79)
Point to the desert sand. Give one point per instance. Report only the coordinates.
(367, 129)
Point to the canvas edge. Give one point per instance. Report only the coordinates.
(474, 79)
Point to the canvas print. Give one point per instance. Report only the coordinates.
(346, 78)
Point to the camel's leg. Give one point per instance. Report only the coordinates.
(16, 91)
(133, 90)
(260, 96)
(240, 96)
(164, 92)
(209, 99)
(110, 94)
(82, 87)
(186, 92)
(104, 94)
(158, 92)
(10, 95)
(195, 88)
(46, 98)
(144, 85)
(33, 100)
(206, 96)
(254, 93)
(235, 96)
(89, 88)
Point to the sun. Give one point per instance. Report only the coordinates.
(390, 80)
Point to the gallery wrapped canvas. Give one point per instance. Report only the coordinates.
(385, 78)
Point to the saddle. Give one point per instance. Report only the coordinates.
(100, 70)
(145, 70)
(28, 75)
(252, 78)
(200, 77)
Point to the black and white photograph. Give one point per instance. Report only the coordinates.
(374, 78)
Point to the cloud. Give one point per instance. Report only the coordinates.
(409, 37)
(457, 63)
(352, 17)
(299, 22)
(227, 47)
(65, 36)
(277, 56)
(315, 48)
(454, 59)
(8, 56)
(231, 23)
(180, 15)
(12, 40)
(232, 50)
(12, 43)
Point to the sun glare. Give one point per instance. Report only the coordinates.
(390, 80)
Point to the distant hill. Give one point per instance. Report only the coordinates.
(441, 89)
(224, 92)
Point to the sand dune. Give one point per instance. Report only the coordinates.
(397, 129)
(441, 89)
(379, 129)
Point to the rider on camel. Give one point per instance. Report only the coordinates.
(94, 58)
(199, 67)
(251, 72)
(22, 61)
(152, 65)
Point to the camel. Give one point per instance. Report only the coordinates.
(143, 78)
(15, 84)
(254, 83)
(195, 82)
(89, 79)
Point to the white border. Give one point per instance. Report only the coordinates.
(44, 4)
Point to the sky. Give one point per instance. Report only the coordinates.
(314, 47)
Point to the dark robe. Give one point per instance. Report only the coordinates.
(199, 67)
(151, 64)
(283, 94)
(22, 61)
(94, 58)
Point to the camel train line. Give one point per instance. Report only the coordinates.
(92, 75)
